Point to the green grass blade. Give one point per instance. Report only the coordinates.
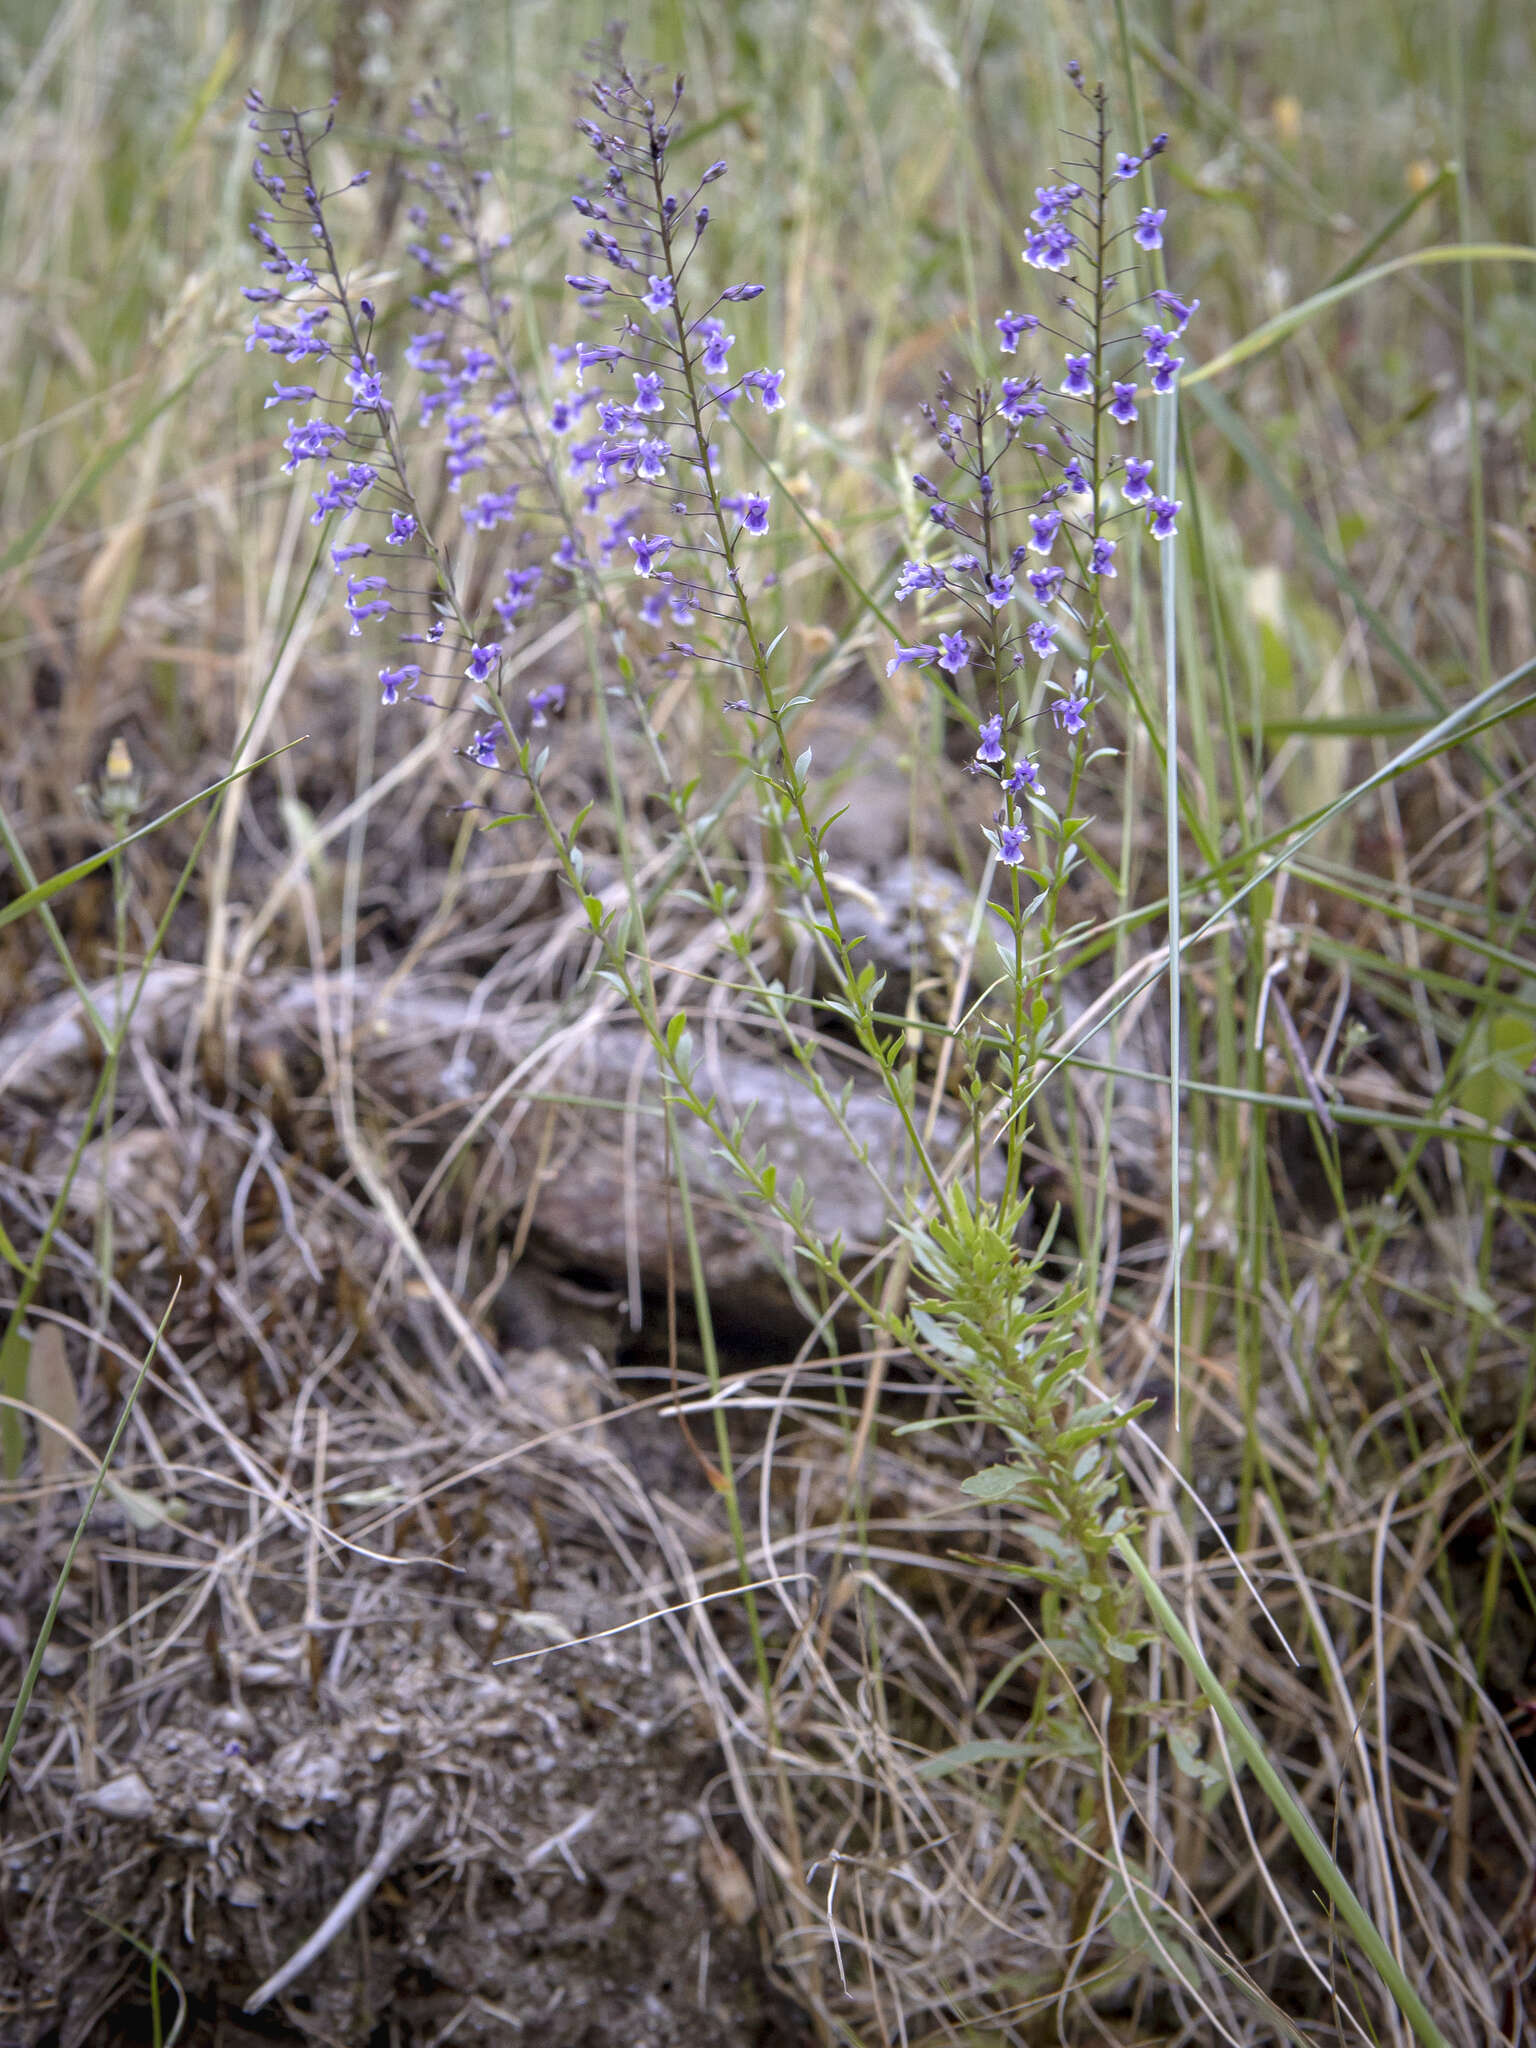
(45, 1632)
(1275, 331)
(32, 898)
(1305, 1836)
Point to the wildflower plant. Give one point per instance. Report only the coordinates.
(462, 508)
(478, 491)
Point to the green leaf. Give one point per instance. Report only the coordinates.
(1495, 1077)
(997, 1482)
(945, 1762)
(15, 1356)
(1185, 1752)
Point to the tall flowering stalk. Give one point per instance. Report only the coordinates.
(1042, 487)
(672, 382)
(1044, 491)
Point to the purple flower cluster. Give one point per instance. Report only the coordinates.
(526, 479)
(306, 312)
(1038, 480)
(674, 350)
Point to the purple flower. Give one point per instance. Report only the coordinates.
(492, 509)
(651, 550)
(1068, 713)
(739, 294)
(1164, 512)
(348, 551)
(1043, 529)
(1102, 560)
(1011, 325)
(1122, 407)
(581, 282)
(1157, 345)
(366, 387)
(521, 585)
(1148, 231)
(1165, 374)
(648, 395)
(1182, 314)
(999, 591)
(309, 441)
(954, 652)
(1010, 845)
(1046, 584)
(919, 654)
(1051, 249)
(293, 393)
(1041, 635)
(1078, 382)
(360, 613)
(1017, 404)
(1127, 166)
(918, 576)
(1072, 476)
(394, 680)
(1025, 780)
(991, 731)
(360, 606)
(1054, 202)
(463, 442)
(754, 514)
(586, 357)
(419, 353)
(482, 661)
(766, 383)
(714, 358)
(1134, 487)
(651, 464)
(294, 343)
(482, 748)
(660, 295)
(402, 527)
(542, 702)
